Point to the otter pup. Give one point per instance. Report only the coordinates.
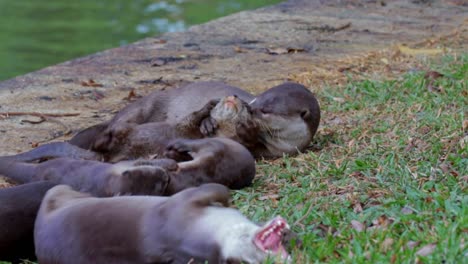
(286, 117)
(99, 178)
(192, 226)
(18, 210)
(218, 160)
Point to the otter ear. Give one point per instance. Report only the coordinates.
(305, 114)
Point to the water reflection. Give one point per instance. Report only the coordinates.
(36, 33)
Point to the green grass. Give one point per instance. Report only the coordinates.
(392, 158)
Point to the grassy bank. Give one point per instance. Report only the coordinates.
(386, 180)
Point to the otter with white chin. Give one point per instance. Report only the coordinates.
(193, 226)
(287, 116)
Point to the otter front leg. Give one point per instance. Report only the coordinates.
(203, 151)
(195, 118)
(248, 133)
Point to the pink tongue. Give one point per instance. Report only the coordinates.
(272, 242)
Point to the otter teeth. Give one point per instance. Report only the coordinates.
(278, 226)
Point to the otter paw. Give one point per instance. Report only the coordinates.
(206, 109)
(248, 132)
(178, 151)
(208, 127)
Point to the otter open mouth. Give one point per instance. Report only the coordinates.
(268, 239)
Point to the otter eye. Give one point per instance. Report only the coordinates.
(304, 113)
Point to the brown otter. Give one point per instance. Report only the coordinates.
(98, 178)
(192, 226)
(286, 116)
(218, 160)
(232, 117)
(18, 208)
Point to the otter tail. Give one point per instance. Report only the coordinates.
(55, 150)
(18, 171)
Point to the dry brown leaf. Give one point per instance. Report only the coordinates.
(357, 208)
(415, 52)
(239, 49)
(426, 250)
(269, 196)
(91, 83)
(432, 75)
(406, 210)
(464, 142)
(358, 226)
(338, 99)
(277, 51)
(387, 243)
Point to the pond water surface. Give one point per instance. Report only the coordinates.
(36, 33)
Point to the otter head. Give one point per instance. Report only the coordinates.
(288, 115)
(229, 112)
(206, 229)
(250, 243)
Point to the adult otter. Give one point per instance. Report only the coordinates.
(218, 160)
(231, 116)
(287, 116)
(18, 209)
(193, 226)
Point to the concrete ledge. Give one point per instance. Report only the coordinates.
(253, 49)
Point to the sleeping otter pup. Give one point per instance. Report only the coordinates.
(286, 116)
(218, 160)
(192, 226)
(18, 209)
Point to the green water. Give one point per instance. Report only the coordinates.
(38, 33)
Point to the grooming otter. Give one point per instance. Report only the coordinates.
(231, 116)
(218, 160)
(192, 226)
(18, 209)
(286, 116)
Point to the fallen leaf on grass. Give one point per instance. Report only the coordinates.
(432, 75)
(406, 210)
(358, 226)
(357, 208)
(339, 99)
(435, 89)
(464, 142)
(387, 243)
(426, 250)
(412, 244)
(269, 196)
